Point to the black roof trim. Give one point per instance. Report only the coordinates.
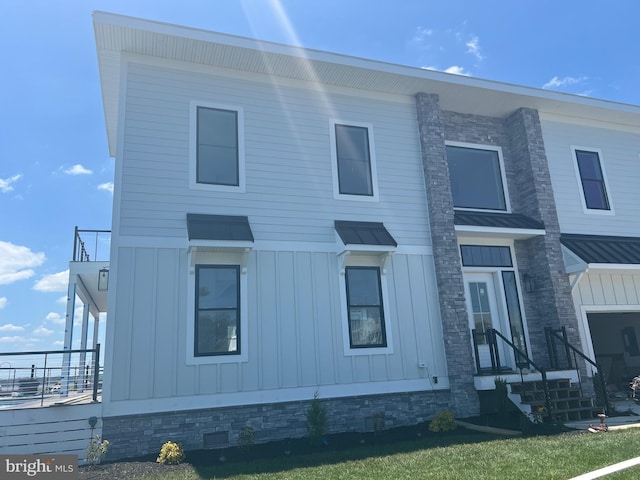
(364, 233)
(218, 227)
(603, 249)
(497, 220)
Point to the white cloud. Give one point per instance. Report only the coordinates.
(456, 70)
(10, 327)
(15, 339)
(16, 262)
(55, 318)
(62, 299)
(58, 343)
(3, 302)
(473, 47)
(108, 186)
(42, 331)
(6, 184)
(420, 36)
(78, 169)
(56, 282)
(556, 82)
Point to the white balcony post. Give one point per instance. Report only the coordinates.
(68, 334)
(83, 346)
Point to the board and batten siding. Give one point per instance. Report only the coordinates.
(607, 289)
(289, 184)
(295, 330)
(620, 158)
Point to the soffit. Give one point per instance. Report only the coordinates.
(116, 34)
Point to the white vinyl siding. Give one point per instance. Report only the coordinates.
(289, 180)
(619, 154)
(294, 332)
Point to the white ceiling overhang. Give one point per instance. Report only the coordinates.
(117, 35)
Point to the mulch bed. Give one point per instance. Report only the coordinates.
(146, 466)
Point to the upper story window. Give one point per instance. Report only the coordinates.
(477, 177)
(217, 146)
(353, 161)
(592, 179)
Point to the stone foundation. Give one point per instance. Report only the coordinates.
(137, 435)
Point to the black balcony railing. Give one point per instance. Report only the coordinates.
(26, 376)
(91, 245)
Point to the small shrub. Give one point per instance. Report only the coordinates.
(96, 450)
(246, 438)
(443, 422)
(316, 420)
(170, 454)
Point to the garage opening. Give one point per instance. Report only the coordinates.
(615, 338)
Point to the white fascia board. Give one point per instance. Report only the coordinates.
(498, 232)
(614, 266)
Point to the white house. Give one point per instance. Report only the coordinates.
(289, 221)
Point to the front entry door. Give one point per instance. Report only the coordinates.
(483, 311)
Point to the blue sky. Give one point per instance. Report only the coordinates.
(55, 171)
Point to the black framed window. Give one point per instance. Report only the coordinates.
(476, 178)
(354, 160)
(592, 179)
(217, 147)
(365, 308)
(217, 312)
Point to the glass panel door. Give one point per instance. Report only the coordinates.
(483, 312)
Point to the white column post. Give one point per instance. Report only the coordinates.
(83, 346)
(68, 334)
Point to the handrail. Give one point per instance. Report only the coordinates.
(491, 334)
(46, 353)
(80, 253)
(550, 332)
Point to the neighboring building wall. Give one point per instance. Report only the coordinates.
(138, 435)
(619, 147)
(453, 311)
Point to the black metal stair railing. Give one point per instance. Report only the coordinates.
(567, 359)
(490, 337)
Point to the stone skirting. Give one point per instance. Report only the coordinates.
(136, 435)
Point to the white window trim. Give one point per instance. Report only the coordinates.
(334, 162)
(583, 200)
(364, 261)
(193, 148)
(503, 176)
(208, 258)
(496, 272)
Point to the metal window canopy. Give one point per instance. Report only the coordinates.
(219, 233)
(364, 238)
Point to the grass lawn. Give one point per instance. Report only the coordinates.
(544, 457)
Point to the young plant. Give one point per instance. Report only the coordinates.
(96, 450)
(246, 438)
(171, 454)
(316, 420)
(443, 422)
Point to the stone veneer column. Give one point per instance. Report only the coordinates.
(551, 303)
(455, 323)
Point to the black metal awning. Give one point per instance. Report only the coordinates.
(603, 249)
(218, 227)
(364, 233)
